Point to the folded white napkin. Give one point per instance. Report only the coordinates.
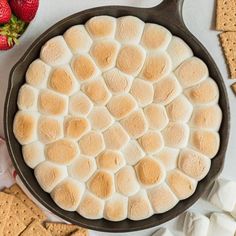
(162, 232)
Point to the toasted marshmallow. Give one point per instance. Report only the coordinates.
(150, 171)
(166, 90)
(91, 207)
(205, 142)
(75, 127)
(179, 110)
(176, 135)
(142, 91)
(27, 98)
(84, 67)
(115, 137)
(194, 164)
(207, 117)
(151, 142)
(62, 151)
(101, 27)
(126, 182)
(206, 92)
(116, 208)
(102, 184)
(67, 194)
(182, 186)
(162, 198)
(168, 157)
(155, 37)
(105, 53)
(121, 106)
(223, 194)
(91, 144)
(49, 175)
(97, 91)
(79, 104)
(221, 224)
(139, 206)
(195, 224)
(191, 72)
(135, 124)
(25, 127)
(49, 129)
(77, 38)
(116, 81)
(63, 81)
(55, 52)
(130, 59)
(129, 29)
(82, 168)
(51, 103)
(100, 118)
(156, 66)
(179, 51)
(162, 232)
(33, 154)
(110, 160)
(156, 116)
(37, 74)
(133, 152)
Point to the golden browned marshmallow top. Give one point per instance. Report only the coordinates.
(62, 80)
(181, 184)
(49, 129)
(130, 59)
(77, 38)
(37, 73)
(105, 53)
(102, 184)
(62, 151)
(24, 127)
(162, 198)
(116, 81)
(191, 72)
(155, 37)
(149, 171)
(55, 52)
(84, 67)
(121, 105)
(97, 91)
(67, 194)
(156, 66)
(101, 27)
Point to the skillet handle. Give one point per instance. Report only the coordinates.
(171, 9)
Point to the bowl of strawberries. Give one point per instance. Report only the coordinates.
(15, 16)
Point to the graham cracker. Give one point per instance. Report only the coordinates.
(60, 229)
(226, 15)
(233, 87)
(35, 229)
(228, 42)
(80, 232)
(18, 192)
(14, 226)
(20, 210)
(5, 205)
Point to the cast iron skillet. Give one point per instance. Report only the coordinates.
(168, 14)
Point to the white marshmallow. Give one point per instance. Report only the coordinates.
(223, 194)
(195, 224)
(221, 225)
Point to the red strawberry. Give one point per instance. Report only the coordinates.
(5, 44)
(24, 9)
(5, 12)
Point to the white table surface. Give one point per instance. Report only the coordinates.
(198, 16)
